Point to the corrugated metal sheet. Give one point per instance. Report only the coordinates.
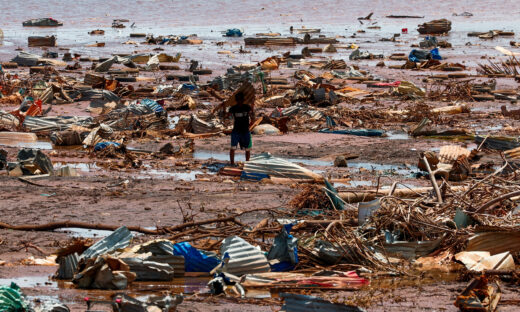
(243, 257)
(450, 153)
(8, 120)
(303, 303)
(200, 126)
(99, 95)
(156, 247)
(276, 167)
(162, 251)
(149, 270)
(37, 124)
(249, 95)
(68, 266)
(119, 239)
(292, 110)
(498, 143)
(315, 114)
(6, 136)
(176, 262)
(411, 250)
(495, 242)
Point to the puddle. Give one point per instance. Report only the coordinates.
(221, 156)
(37, 145)
(353, 183)
(239, 156)
(400, 185)
(91, 233)
(311, 162)
(83, 167)
(387, 169)
(179, 175)
(86, 233)
(30, 281)
(186, 285)
(397, 136)
(486, 130)
(357, 183)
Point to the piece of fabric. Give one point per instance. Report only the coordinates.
(242, 139)
(241, 114)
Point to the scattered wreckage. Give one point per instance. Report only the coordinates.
(325, 239)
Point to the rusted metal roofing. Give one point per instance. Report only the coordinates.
(450, 153)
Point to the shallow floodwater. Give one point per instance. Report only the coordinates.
(208, 19)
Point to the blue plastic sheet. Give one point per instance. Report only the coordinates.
(233, 32)
(284, 249)
(102, 145)
(188, 87)
(423, 55)
(358, 132)
(419, 55)
(253, 176)
(435, 54)
(195, 260)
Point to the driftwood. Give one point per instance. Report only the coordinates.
(432, 179)
(368, 195)
(497, 200)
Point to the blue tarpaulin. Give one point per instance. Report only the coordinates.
(424, 55)
(253, 176)
(233, 32)
(284, 249)
(435, 54)
(102, 145)
(195, 260)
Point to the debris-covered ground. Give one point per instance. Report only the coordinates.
(384, 167)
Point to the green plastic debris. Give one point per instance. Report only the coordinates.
(11, 299)
(338, 203)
